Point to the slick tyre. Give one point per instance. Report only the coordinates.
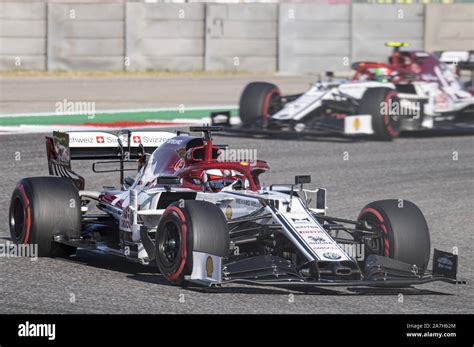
(187, 227)
(258, 102)
(379, 103)
(405, 233)
(41, 208)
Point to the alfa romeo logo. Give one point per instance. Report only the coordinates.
(330, 255)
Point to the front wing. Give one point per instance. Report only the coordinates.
(352, 126)
(273, 271)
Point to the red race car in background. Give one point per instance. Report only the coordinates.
(414, 90)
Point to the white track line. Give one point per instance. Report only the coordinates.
(31, 129)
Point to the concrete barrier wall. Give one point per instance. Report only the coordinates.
(86, 36)
(449, 27)
(373, 25)
(233, 37)
(22, 36)
(241, 37)
(314, 37)
(165, 36)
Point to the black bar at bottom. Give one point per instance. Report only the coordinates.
(133, 330)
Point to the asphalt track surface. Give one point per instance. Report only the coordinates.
(417, 168)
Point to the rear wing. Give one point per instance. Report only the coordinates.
(105, 145)
(464, 60)
(59, 159)
(126, 146)
(466, 65)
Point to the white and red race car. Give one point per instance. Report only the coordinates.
(414, 90)
(208, 221)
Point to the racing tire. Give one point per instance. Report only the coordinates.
(386, 126)
(184, 228)
(258, 102)
(41, 208)
(406, 236)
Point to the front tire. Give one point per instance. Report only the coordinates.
(405, 233)
(377, 102)
(41, 208)
(258, 102)
(195, 226)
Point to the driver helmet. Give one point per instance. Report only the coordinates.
(217, 179)
(380, 74)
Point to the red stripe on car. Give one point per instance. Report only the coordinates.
(28, 213)
(266, 104)
(180, 214)
(382, 226)
(386, 119)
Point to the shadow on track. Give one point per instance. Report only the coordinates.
(461, 131)
(341, 291)
(150, 274)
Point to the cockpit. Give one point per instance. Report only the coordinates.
(199, 165)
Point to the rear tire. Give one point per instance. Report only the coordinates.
(258, 102)
(406, 236)
(197, 226)
(41, 208)
(385, 124)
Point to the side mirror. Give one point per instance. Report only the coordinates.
(321, 200)
(303, 179)
(220, 118)
(330, 74)
(128, 181)
(168, 180)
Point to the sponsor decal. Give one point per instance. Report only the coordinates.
(428, 77)
(328, 247)
(228, 212)
(125, 223)
(179, 164)
(301, 220)
(81, 139)
(174, 142)
(318, 240)
(445, 263)
(77, 140)
(308, 230)
(421, 54)
(252, 202)
(137, 139)
(61, 147)
(332, 256)
(442, 101)
(153, 140)
(356, 124)
(111, 139)
(209, 266)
